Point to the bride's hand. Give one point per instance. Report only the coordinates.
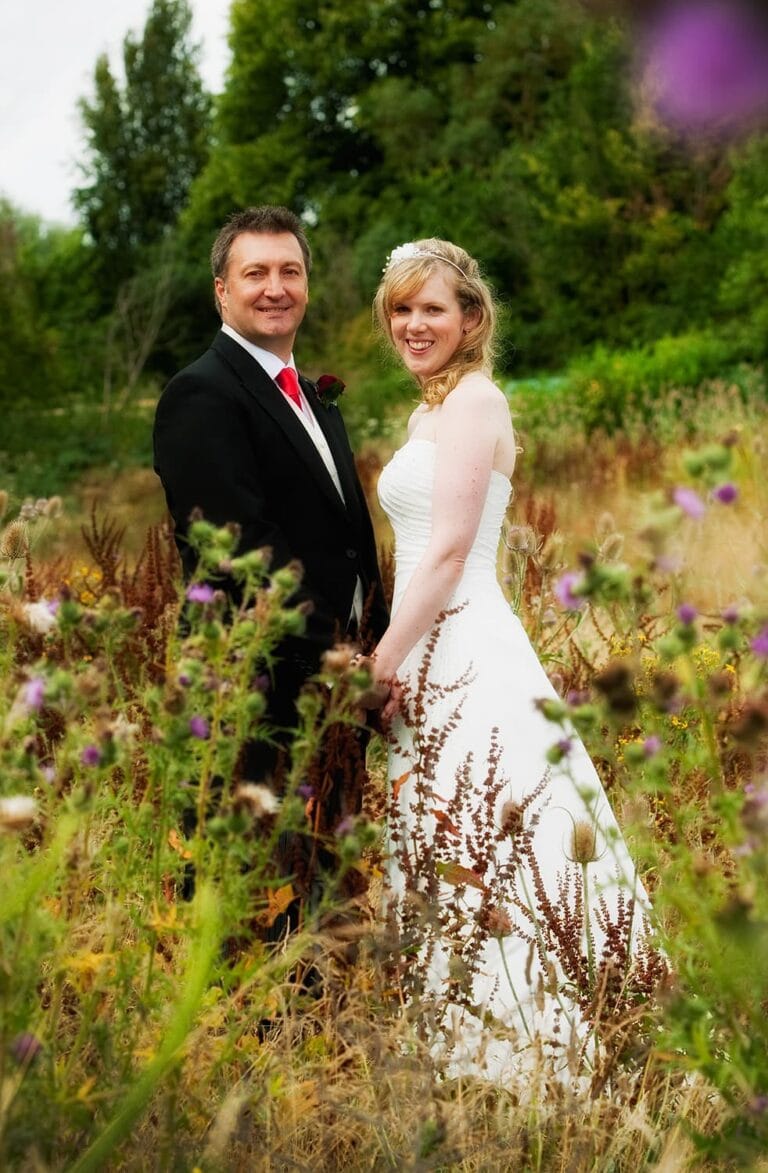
(393, 703)
(384, 674)
(377, 693)
(385, 692)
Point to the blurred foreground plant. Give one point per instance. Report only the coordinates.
(672, 702)
(140, 1027)
(110, 983)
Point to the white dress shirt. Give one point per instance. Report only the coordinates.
(273, 366)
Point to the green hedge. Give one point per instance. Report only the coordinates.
(606, 388)
(43, 450)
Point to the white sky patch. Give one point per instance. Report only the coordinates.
(48, 51)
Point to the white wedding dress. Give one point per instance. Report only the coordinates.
(511, 942)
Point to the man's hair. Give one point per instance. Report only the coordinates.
(267, 218)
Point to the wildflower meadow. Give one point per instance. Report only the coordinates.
(147, 1021)
(607, 164)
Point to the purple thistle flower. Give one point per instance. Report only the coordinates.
(52, 605)
(686, 613)
(25, 1048)
(199, 728)
(34, 693)
(706, 62)
(565, 745)
(566, 590)
(91, 755)
(346, 825)
(651, 746)
(305, 790)
(730, 615)
(184, 679)
(200, 592)
(668, 563)
(726, 493)
(689, 501)
(759, 644)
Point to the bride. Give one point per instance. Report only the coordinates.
(519, 915)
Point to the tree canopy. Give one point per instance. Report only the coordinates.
(507, 125)
(510, 126)
(146, 142)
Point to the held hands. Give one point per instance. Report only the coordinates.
(394, 702)
(385, 692)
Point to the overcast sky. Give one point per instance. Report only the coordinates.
(48, 50)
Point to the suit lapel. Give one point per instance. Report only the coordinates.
(326, 421)
(269, 396)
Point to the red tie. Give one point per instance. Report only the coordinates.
(288, 382)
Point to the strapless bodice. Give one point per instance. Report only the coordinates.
(405, 493)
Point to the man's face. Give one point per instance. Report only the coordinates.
(264, 293)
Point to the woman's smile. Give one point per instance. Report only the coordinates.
(427, 327)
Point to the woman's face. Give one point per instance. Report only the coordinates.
(427, 327)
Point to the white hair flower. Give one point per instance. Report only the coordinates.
(410, 251)
(403, 252)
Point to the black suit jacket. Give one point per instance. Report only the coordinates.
(227, 441)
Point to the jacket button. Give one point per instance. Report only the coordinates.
(351, 553)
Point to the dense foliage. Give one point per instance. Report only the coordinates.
(512, 126)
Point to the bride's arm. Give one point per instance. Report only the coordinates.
(468, 430)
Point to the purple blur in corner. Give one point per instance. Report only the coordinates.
(705, 66)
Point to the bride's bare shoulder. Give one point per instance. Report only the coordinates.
(475, 390)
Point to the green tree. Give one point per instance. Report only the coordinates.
(508, 125)
(146, 143)
(25, 355)
(743, 237)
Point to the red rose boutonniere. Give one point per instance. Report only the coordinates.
(329, 388)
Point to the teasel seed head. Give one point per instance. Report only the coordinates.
(612, 548)
(583, 843)
(496, 921)
(606, 525)
(512, 817)
(521, 539)
(550, 557)
(15, 541)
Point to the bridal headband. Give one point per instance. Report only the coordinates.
(409, 251)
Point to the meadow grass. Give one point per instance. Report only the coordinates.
(142, 1030)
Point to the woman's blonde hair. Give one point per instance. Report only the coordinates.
(408, 267)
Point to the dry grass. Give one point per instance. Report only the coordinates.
(344, 1081)
(132, 498)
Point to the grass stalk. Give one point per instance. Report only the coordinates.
(170, 1054)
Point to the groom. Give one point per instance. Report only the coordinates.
(244, 438)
